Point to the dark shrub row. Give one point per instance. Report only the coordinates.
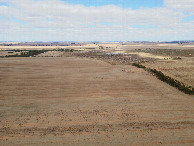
(180, 86)
(65, 50)
(28, 53)
(138, 65)
(173, 82)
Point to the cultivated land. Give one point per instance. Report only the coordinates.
(81, 98)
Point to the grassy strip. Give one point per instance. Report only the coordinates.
(180, 86)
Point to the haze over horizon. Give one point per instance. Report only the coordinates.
(97, 20)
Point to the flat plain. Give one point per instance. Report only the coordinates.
(82, 101)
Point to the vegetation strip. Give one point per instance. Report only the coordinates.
(27, 53)
(180, 86)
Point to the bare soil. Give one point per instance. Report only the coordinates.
(81, 101)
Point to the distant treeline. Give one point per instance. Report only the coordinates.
(27, 53)
(180, 86)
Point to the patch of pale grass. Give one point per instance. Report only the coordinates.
(149, 55)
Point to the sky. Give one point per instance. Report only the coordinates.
(96, 20)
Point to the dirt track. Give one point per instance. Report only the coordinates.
(74, 101)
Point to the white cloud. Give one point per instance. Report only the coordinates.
(3, 1)
(52, 20)
(4, 11)
(181, 5)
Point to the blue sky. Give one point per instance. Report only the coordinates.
(3, 3)
(96, 20)
(133, 4)
(189, 18)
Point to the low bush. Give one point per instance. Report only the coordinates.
(180, 86)
(139, 65)
(28, 53)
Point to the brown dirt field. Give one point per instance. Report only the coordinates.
(79, 101)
